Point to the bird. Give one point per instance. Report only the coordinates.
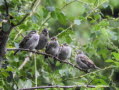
(30, 41)
(44, 36)
(64, 52)
(52, 47)
(84, 62)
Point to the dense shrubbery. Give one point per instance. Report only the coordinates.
(89, 25)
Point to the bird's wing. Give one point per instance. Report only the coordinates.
(87, 61)
(47, 46)
(23, 42)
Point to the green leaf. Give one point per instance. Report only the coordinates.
(28, 83)
(54, 15)
(117, 63)
(61, 18)
(109, 60)
(58, 14)
(116, 55)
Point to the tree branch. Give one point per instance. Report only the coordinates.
(37, 52)
(4, 34)
(27, 14)
(81, 76)
(27, 58)
(58, 86)
(22, 20)
(6, 6)
(49, 17)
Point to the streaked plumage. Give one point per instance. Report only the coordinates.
(64, 52)
(52, 47)
(30, 41)
(84, 62)
(43, 39)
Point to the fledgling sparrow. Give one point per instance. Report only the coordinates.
(30, 41)
(43, 39)
(52, 47)
(64, 52)
(84, 62)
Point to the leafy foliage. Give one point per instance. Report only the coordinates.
(80, 23)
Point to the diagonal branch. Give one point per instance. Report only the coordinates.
(49, 17)
(22, 20)
(58, 86)
(26, 15)
(87, 74)
(42, 53)
(6, 6)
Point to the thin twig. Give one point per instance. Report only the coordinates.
(42, 53)
(26, 15)
(49, 17)
(27, 58)
(58, 86)
(68, 4)
(6, 6)
(35, 68)
(91, 73)
(94, 9)
(65, 30)
(22, 20)
(24, 63)
(19, 33)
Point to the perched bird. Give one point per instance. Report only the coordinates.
(52, 47)
(43, 39)
(30, 41)
(84, 62)
(64, 52)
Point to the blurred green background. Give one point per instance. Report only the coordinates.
(89, 25)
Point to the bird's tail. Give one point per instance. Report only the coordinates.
(16, 52)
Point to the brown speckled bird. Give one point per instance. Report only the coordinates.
(52, 47)
(43, 39)
(64, 52)
(84, 62)
(30, 41)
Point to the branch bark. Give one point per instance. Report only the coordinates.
(7, 9)
(37, 52)
(4, 34)
(6, 29)
(58, 86)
